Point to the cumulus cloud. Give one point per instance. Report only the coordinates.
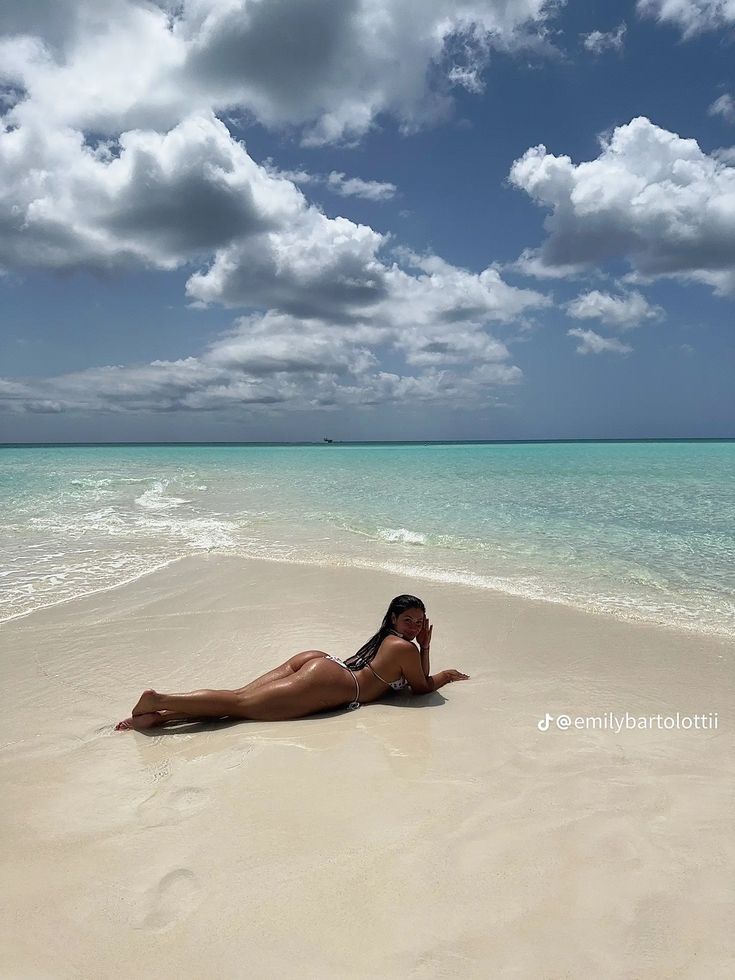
(330, 66)
(194, 194)
(312, 266)
(336, 65)
(597, 42)
(438, 318)
(156, 199)
(692, 16)
(592, 343)
(625, 312)
(268, 363)
(337, 275)
(105, 66)
(723, 106)
(650, 196)
(435, 293)
(112, 155)
(97, 181)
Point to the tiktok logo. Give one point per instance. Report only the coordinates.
(543, 725)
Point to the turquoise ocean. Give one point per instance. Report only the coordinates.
(639, 530)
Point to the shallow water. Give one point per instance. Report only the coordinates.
(639, 530)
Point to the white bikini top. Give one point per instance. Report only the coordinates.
(396, 685)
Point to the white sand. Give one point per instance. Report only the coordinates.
(441, 836)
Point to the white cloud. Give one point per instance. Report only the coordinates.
(692, 16)
(339, 183)
(310, 266)
(331, 66)
(592, 343)
(531, 263)
(724, 106)
(269, 363)
(467, 78)
(111, 155)
(194, 193)
(650, 196)
(335, 297)
(725, 154)
(155, 199)
(111, 67)
(151, 187)
(331, 269)
(443, 295)
(370, 190)
(625, 312)
(597, 42)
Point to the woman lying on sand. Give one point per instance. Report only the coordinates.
(314, 681)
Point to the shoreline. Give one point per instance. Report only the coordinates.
(469, 580)
(524, 852)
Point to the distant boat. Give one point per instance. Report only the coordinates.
(328, 440)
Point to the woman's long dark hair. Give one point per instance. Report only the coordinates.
(368, 650)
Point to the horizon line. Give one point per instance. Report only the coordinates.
(361, 442)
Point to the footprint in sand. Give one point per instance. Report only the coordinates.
(174, 897)
(173, 805)
(189, 799)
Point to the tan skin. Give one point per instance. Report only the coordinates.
(305, 684)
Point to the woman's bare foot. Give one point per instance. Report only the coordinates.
(139, 723)
(146, 703)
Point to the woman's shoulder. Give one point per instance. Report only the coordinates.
(396, 642)
(394, 646)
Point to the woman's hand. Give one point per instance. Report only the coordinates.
(424, 635)
(447, 676)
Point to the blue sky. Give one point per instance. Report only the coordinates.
(370, 219)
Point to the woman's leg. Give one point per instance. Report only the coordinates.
(141, 720)
(314, 687)
(197, 704)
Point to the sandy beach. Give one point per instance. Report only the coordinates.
(437, 836)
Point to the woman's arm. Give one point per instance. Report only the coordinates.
(412, 669)
(425, 661)
(416, 670)
(421, 684)
(424, 641)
